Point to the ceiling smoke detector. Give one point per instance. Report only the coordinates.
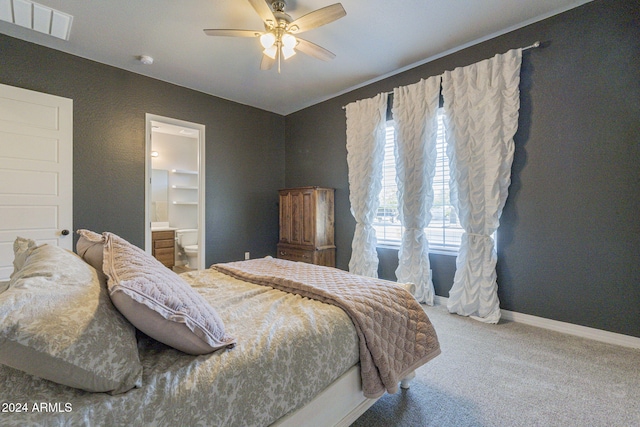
(146, 59)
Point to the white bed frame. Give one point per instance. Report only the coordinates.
(339, 405)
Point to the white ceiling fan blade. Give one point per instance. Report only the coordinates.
(314, 50)
(264, 11)
(267, 62)
(232, 33)
(317, 18)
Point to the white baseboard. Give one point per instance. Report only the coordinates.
(564, 327)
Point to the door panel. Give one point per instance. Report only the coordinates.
(22, 183)
(36, 170)
(296, 218)
(285, 217)
(308, 230)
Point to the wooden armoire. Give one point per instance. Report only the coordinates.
(307, 225)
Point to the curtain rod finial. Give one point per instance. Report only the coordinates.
(533, 46)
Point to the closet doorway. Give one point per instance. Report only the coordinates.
(175, 187)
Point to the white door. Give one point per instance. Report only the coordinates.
(36, 170)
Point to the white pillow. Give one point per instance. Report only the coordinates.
(155, 299)
(57, 322)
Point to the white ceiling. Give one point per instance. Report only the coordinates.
(376, 39)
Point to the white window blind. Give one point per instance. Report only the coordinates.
(444, 231)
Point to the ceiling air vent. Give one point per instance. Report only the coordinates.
(36, 17)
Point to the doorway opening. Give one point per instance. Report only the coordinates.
(175, 189)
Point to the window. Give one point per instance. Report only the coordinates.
(444, 231)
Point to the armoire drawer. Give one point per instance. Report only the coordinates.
(295, 254)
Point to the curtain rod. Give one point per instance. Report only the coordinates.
(532, 46)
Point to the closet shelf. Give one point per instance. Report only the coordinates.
(185, 203)
(184, 187)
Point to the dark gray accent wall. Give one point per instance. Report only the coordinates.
(569, 241)
(244, 148)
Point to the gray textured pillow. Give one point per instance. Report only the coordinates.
(57, 322)
(155, 299)
(90, 247)
(21, 249)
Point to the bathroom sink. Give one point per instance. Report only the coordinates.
(161, 226)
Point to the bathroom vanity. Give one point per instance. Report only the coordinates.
(163, 246)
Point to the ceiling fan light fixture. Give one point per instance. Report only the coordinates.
(289, 41)
(278, 39)
(287, 52)
(271, 51)
(267, 40)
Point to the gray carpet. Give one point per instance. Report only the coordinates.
(512, 374)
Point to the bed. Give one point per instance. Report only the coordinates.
(277, 358)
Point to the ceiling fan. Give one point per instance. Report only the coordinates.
(279, 38)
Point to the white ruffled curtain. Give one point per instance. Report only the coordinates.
(415, 116)
(366, 122)
(481, 103)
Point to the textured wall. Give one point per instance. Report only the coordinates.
(244, 158)
(569, 243)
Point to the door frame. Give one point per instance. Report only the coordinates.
(201, 181)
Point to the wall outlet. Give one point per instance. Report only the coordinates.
(246, 255)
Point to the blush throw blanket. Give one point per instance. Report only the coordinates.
(395, 334)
